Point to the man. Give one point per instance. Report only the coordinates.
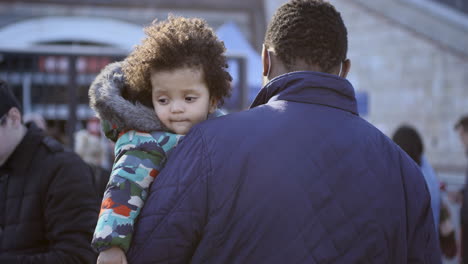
(462, 128)
(48, 206)
(298, 178)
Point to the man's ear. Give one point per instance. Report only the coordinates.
(265, 60)
(213, 105)
(15, 116)
(346, 68)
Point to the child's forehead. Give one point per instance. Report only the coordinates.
(173, 90)
(178, 71)
(179, 80)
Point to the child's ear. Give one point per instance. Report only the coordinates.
(213, 105)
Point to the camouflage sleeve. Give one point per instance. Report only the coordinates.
(139, 158)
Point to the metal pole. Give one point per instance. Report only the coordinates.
(72, 101)
(244, 93)
(27, 93)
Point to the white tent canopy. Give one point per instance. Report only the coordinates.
(104, 31)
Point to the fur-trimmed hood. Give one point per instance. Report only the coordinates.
(105, 98)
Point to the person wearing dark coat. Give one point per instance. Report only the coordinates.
(462, 128)
(298, 178)
(408, 138)
(48, 205)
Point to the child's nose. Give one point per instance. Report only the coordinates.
(177, 107)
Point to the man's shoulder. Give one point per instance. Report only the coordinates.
(52, 145)
(240, 119)
(53, 154)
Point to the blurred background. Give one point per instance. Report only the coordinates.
(409, 60)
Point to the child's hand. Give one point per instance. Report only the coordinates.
(113, 255)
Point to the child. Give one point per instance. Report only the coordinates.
(179, 70)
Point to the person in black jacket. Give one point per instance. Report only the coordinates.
(48, 205)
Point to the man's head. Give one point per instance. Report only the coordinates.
(305, 35)
(12, 129)
(174, 44)
(462, 128)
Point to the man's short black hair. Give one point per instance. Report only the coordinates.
(462, 123)
(311, 30)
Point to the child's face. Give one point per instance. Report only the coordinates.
(181, 98)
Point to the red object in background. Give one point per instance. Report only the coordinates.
(443, 186)
(61, 64)
(53, 63)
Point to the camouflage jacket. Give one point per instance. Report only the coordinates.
(139, 158)
(140, 153)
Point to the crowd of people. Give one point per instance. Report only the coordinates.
(300, 177)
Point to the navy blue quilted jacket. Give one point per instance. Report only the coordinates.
(299, 178)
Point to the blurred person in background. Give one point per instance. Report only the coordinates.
(48, 207)
(462, 128)
(299, 177)
(95, 150)
(411, 142)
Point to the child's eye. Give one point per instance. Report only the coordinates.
(190, 99)
(162, 101)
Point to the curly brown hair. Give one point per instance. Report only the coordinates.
(174, 43)
(311, 30)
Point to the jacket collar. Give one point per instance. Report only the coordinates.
(310, 87)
